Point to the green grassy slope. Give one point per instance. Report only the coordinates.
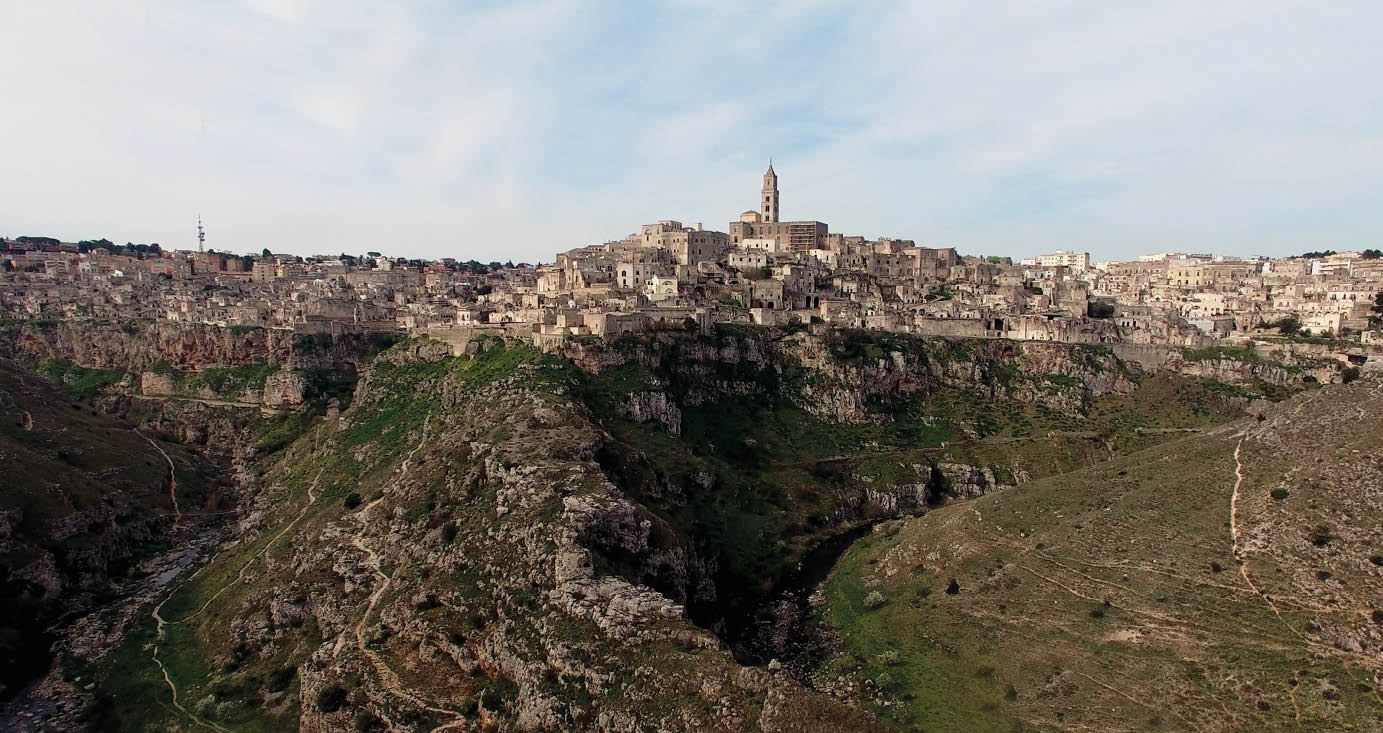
(1110, 598)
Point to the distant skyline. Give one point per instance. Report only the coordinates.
(512, 131)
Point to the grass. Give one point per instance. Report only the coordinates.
(754, 480)
(1217, 353)
(1082, 599)
(226, 382)
(81, 381)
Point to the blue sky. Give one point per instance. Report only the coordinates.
(513, 130)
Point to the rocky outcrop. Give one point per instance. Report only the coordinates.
(967, 482)
(486, 575)
(841, 375)
(1239, 371)
(284, 390)
(137, 345)
(654, 407)
(1060, 376)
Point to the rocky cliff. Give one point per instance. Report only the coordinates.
(273, 369)
(514, 540)
(846, 375)
(441, 555)
(85, 496)
(136, 345)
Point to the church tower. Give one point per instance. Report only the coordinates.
(770, 195)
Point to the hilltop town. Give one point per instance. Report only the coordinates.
(764, 270)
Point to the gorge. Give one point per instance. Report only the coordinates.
(402, 536)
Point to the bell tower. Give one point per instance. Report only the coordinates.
(770, 195)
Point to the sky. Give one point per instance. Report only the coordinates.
(512, 130)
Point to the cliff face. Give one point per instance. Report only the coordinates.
(849, 372)
(843, 376)
(516, 540)
(137, 345)
(273, 369)
(442, 554)
(84, 496)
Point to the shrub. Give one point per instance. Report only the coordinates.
(1321, 535)
(331, 698)
(953, 587)
(875, 599)
(449, 531)
(1280, 493)
(366, 722)
(352, 500)
(1099, 309)
(281, 678)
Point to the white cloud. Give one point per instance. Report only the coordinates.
(525, 128)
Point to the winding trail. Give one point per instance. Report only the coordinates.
(387, 677)
(240, 577)
(1367, 661)
(1238, 549)
(172, 475)
(160, 622)
(172, 688)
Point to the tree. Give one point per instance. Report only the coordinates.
(1100, 309)
(1287, 325)
(265, 252)
(1371, 254)
(938, 486)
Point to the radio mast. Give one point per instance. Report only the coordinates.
(201, 234)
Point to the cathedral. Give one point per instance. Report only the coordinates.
(766, 222)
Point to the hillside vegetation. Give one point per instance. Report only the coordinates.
(516, 540)
(1224, 581)
(84, 497)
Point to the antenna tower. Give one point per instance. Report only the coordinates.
(201, 234)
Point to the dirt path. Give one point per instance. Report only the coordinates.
(1238, 548)
(240, 577)
(159, 623)
(386, 674)
(387, 677)
(1239, 559)
(172, 475)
